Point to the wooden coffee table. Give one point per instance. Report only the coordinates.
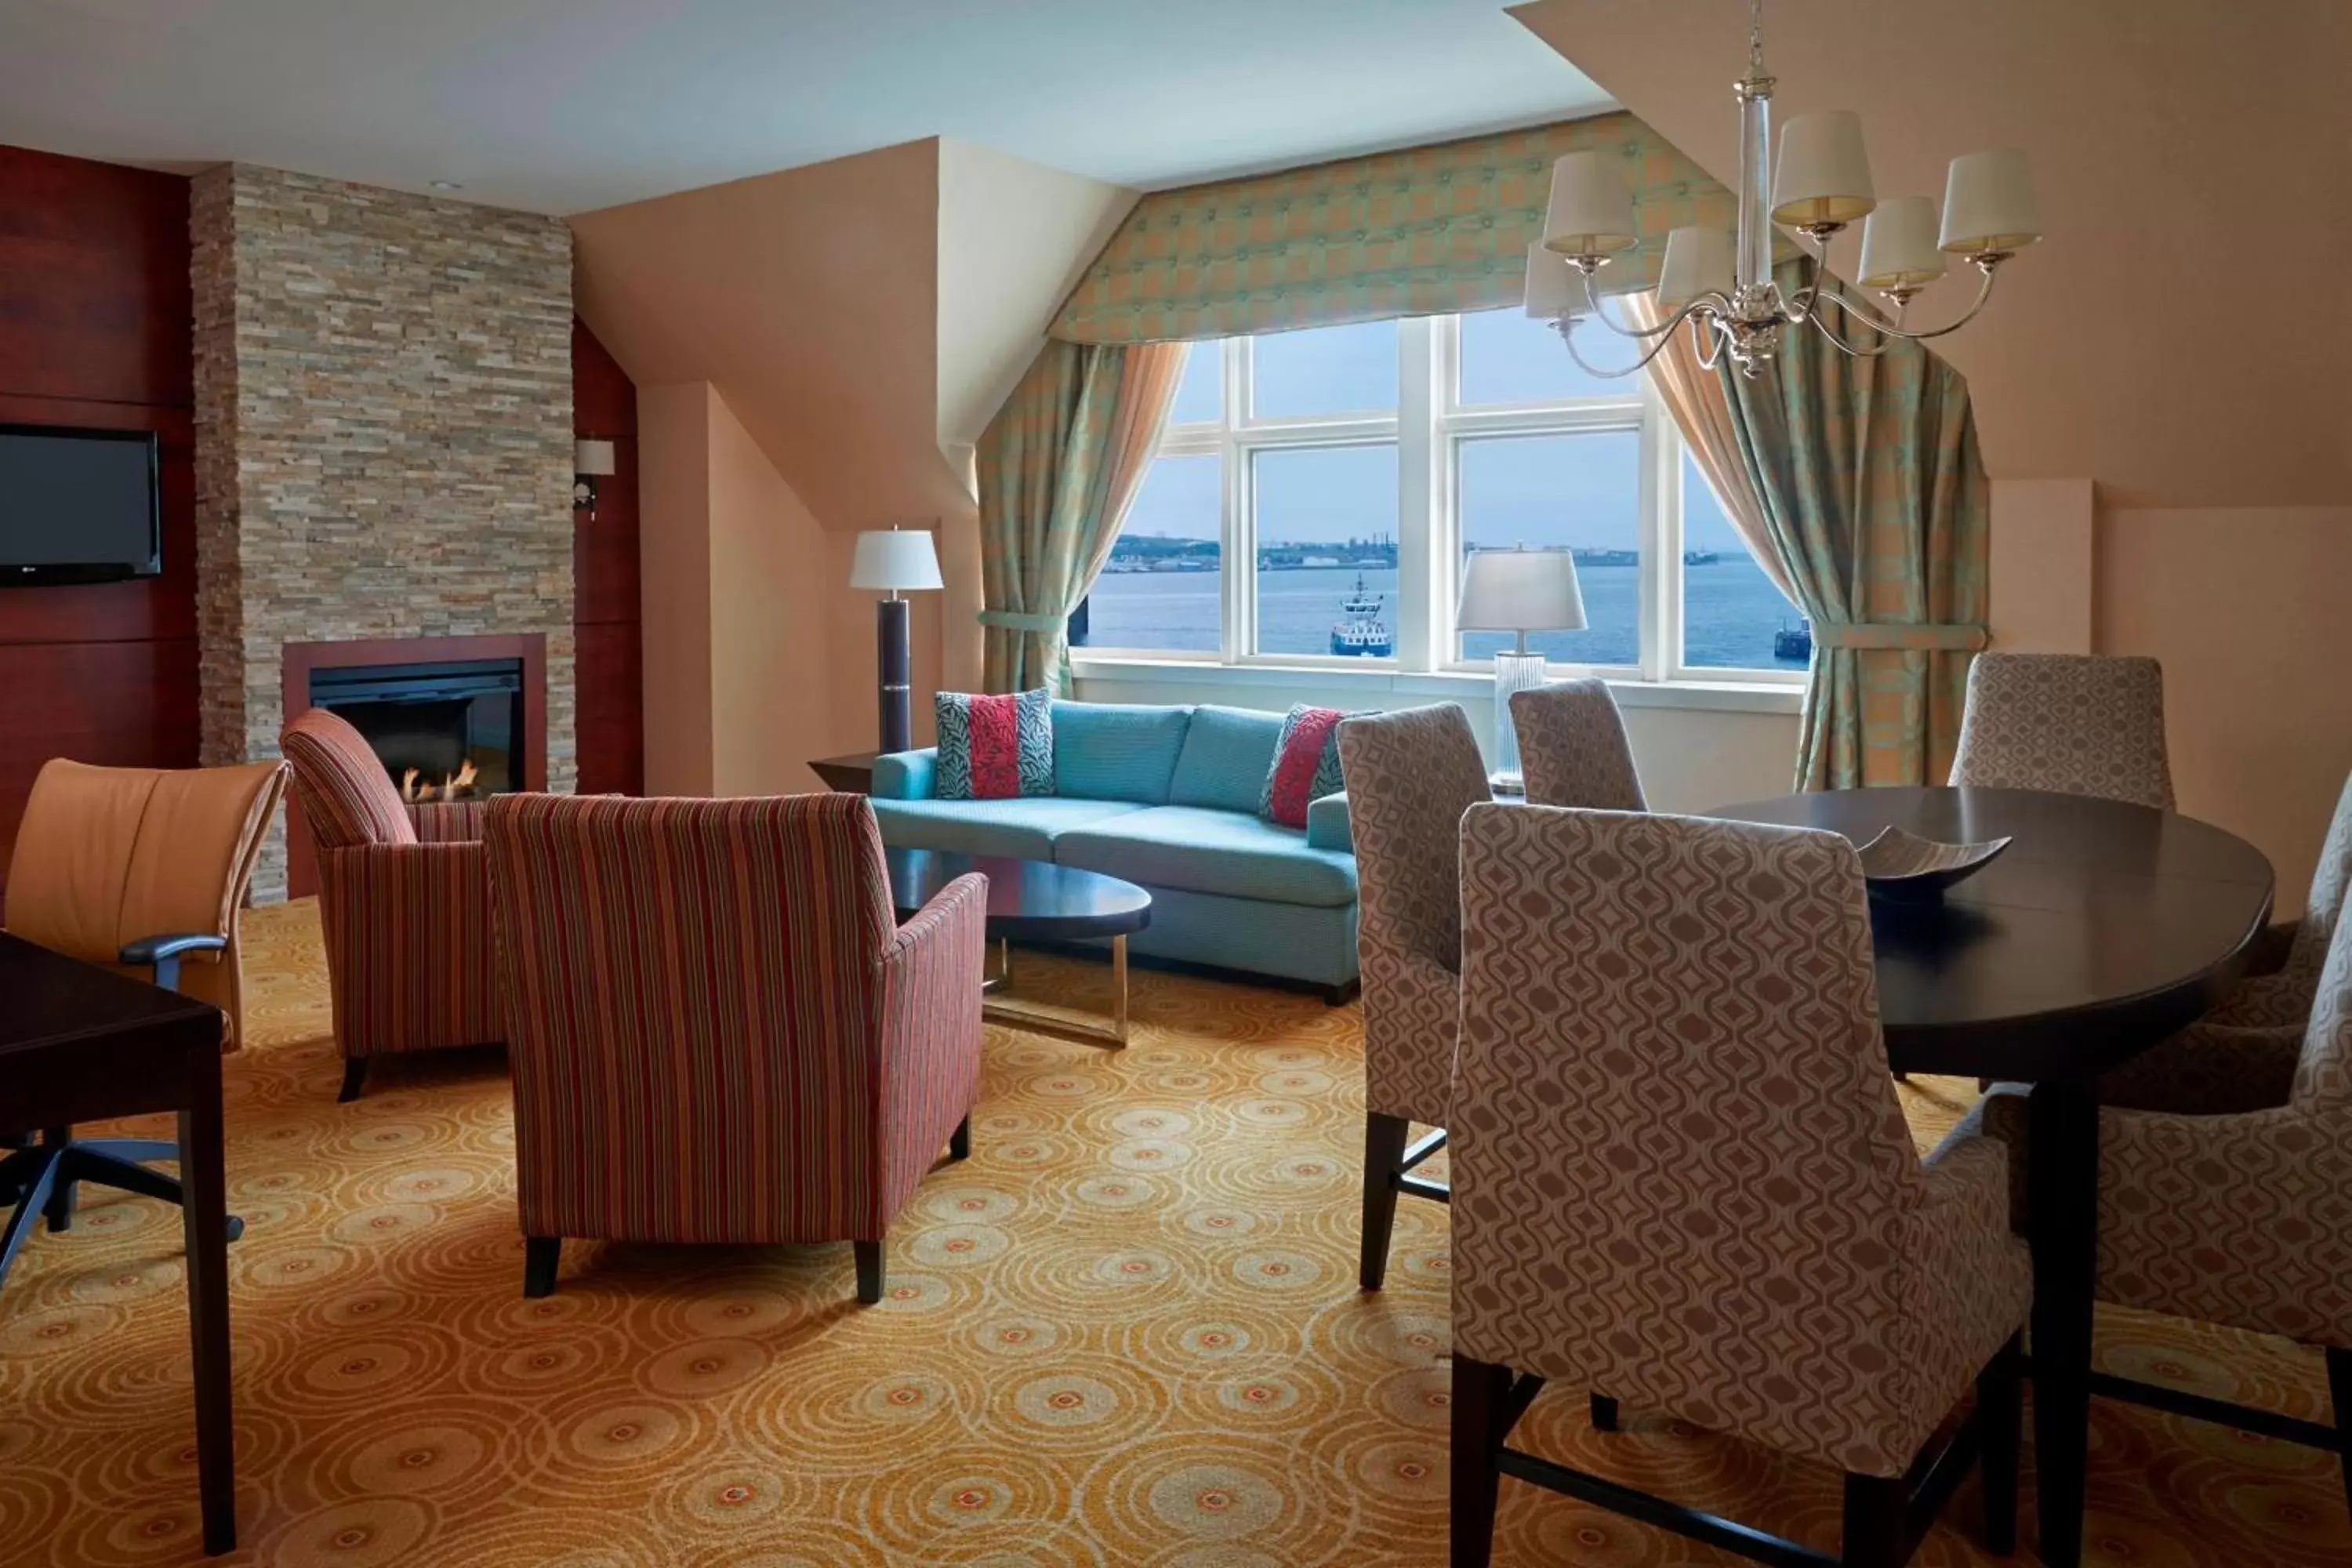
(1033, 900)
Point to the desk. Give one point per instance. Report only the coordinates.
(78, 1044)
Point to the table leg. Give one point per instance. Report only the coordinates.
(2063, 1195)
(999, 1008)
(205, 1225)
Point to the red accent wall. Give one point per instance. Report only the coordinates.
(94, 332)
(611, 695)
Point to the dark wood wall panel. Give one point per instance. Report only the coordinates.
(94, 332)
(118, 704)
(611, 724)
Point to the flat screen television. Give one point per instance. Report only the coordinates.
(78, 506)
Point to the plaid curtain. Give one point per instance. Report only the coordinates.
(1877, 509)
(1419, 232)
(1059, 466)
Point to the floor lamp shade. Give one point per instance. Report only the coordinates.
(1517, 591)
(894, 562)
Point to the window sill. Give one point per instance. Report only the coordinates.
(1459, 686)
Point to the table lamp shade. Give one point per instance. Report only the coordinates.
(895, 560)
(1520, 591)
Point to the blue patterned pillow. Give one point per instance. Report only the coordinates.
(994, 748)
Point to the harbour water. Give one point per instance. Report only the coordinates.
(1731, 613)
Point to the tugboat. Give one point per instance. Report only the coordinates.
(1794, 643)
(1363, 634)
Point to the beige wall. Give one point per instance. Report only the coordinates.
(743, 608)
(2172, 470)
(858, 321)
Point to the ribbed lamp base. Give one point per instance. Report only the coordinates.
(1513, 672)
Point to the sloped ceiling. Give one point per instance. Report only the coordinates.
(2180, 335)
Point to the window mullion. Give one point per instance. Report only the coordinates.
(1421, 365)
(1239, 534)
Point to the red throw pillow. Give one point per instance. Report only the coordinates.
(1305, 764)
(994, 748)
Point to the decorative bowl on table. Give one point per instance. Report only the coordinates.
(1906, 866)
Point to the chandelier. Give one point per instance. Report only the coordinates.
(1721, 283)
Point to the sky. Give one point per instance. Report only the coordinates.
(1577, 489)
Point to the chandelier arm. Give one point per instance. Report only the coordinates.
(1568, 336)
(1712, 300)
(1872, 320)
(1707, 343)
(1820, 323)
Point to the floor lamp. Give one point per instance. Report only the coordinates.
(1517, 591)
(895, 561)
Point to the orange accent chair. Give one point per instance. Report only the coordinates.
(403, 898)
(143, 872)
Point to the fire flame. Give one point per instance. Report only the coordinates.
(453, 786)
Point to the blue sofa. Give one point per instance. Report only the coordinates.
(1165, 797)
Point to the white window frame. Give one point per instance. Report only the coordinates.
(1428, 429)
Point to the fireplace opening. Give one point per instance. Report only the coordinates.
(446, 729)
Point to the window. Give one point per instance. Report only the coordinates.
(1353, 467)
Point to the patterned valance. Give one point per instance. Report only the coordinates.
(1415, 233)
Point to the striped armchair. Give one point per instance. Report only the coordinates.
(411, 960)
(719, 1031)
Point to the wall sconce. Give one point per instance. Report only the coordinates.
(591, 460)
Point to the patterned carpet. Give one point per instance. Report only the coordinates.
(1127, 1333)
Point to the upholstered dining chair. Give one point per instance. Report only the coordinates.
(2225, 1193)
(1411, 776)
(1572, 746)
(2283, 996)
(142, 870)
(2073, 723)
(1681, 1174)
(412, 963)
(717, 1029)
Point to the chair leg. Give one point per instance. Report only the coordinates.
(1604, 1413)
(869, 1271)
(1384, 1139)
(355, 1076)
(59, 1210)
(2339, 1389)
(2000, 1417)
(540, 1254)
(1480, 1391)
(960, 1140)
(39, 1180)
(1875, 1507)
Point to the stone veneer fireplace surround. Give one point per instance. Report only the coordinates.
(303, 661)
(383, 443)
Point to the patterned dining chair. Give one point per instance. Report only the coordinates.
(2073, 723)
(2283, 997)
(1411, 776)
(1681, 1174)
(1572, 746)
(2225, 1193)
(720, 1032)
(411, 964)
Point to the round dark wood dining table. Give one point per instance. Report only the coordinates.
(2103, 928)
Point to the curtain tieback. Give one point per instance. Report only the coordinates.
(1955, 637)
(1021, 621)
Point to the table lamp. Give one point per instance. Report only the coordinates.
(1519, 591)
(894, 561)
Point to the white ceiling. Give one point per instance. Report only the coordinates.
(562, 106)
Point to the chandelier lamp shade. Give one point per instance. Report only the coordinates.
(1812, 177)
